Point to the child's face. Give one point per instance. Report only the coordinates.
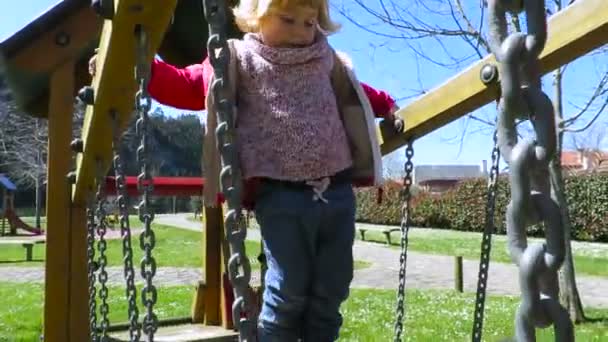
(290, 28)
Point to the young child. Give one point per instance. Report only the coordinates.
(305, 135)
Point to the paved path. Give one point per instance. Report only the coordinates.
(423, 271)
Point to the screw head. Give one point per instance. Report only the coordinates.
(488, 74)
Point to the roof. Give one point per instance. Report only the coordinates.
(43, 23)
(424, 173)
(572, 159)
(583, 159)
(6, 183)
(181, 46)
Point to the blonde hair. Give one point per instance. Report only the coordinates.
(248, 13)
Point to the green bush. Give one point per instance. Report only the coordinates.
(464, 207)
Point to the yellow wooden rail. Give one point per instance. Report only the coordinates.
(114, 83)
(573, 32)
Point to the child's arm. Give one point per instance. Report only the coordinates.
(183, 88)
(383, 105)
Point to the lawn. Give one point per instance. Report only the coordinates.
(174, 248)
(589, 258)
(368, 314)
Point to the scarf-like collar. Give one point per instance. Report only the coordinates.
(318, 50)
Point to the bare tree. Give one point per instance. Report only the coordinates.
(23, 145)
(430, 29)
(23, 141)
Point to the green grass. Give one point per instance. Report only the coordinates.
(587, 260)
(443, 316)
(174, 248)
(368, 314)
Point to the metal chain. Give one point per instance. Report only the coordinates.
(125, 231)
(405, 228)
(486, 245)
(91, 269)
(100, 212)
(531, 203)
(239, 267)
(147, 239)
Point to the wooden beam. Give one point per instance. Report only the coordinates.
(114, 82)
(207, 306)
(63, 43)
(57, 277)
(79, 289)
(573, 32)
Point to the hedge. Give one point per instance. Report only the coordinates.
(463, 207)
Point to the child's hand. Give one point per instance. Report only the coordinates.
(93, 64)
(397, 122)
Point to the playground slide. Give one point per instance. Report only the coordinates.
(15, 222)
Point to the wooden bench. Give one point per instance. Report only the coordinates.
(27, 244)
(385, 230)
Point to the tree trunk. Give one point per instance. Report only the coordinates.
(38, 200)
(569, 296)
(38, 185)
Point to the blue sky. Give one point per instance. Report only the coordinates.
(390, 65)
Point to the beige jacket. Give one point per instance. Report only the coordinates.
(357, 116)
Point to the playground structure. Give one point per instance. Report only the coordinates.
(8, 216)
(46, 66)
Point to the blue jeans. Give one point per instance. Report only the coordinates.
(308, 246)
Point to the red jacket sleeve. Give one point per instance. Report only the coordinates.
(182, 88)
(381, 101)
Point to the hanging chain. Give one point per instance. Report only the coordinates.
(147, 239)
(239, 267)
(91, 269)
(522, 98)
(405, 228)
(486, 245)
(102, 224)
(125, 232)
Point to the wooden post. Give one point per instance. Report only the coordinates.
(208, 303)
(57, 276)
(78, 290)
(458, 274)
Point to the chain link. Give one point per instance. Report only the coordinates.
(531, 203)
(239, 267)
(91, 269)
(100, 199)
(147, 239)
(125, 231)
(486, 245)
(405, 228)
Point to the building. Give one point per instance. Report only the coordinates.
(439, 178)
(584, 161)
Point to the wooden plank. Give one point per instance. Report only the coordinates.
(186, 333)
(57, 277)
(48, 51)
(573, 32)
(114, 82)
(79, 290)
(213, 265)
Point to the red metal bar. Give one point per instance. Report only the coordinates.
(163, 186)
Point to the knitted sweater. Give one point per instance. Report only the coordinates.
(288, 124)
(185, 88)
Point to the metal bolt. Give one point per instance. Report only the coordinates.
(104, 8)
(71, 177)
(488, 74)
(77, 145)
(87, 95)
(62, 39)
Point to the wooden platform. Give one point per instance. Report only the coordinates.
(185, 333)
